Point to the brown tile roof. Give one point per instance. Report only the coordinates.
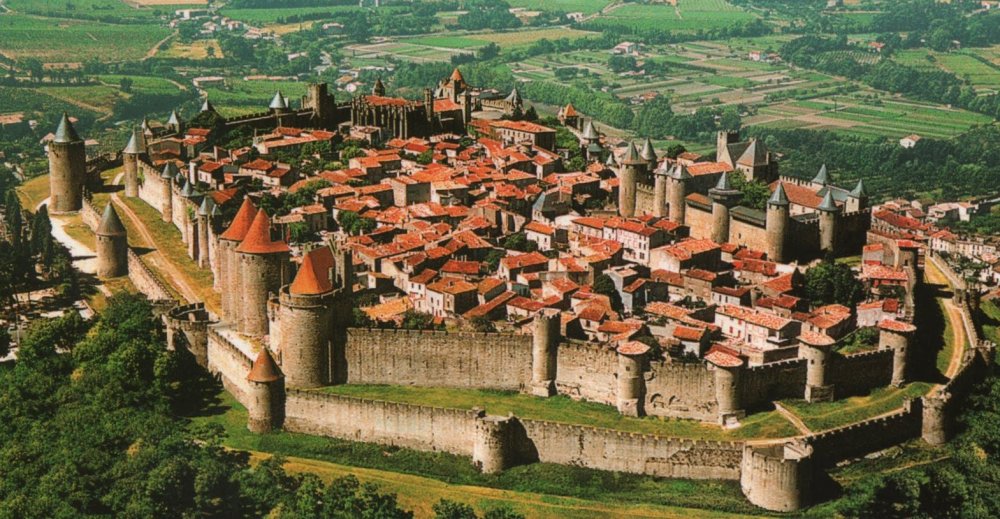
(314, 273)
(264, 369)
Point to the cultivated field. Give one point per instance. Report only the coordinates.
(503, 39)
(241, 97)
(197, 49)
(689, 15)
(104, 9)
(72, 41)
(569, 6)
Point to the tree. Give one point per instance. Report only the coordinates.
(125, 84)
(492, 261)
(445, 509)
(833, 283)
(482, 323)
(619, 63)
(755, 192)
(5, 342)
(604, 286)
(14, 217)
(425, 157)
(414, 320)
(519, 242)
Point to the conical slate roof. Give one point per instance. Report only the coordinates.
(589, 132)
(145, 124)
(169, 170)
(611, 160)
(724, 184)
(136, 144)
(264, 369)
(859, 190)
(65, 133)
(515, 97)
(828, 205)
(632, 155)
(207, 106)
(241, 222)
(207, 206)
(378, 88)
(186, 190)
(778, 197)
(595, 149)
(258, 238)
(680, 172)
(174, 119)
(754, 155)
(278, 101)
(648, 153)
(110, 224)
(313, 277)
(822, 178)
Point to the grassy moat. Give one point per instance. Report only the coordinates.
(566, 410)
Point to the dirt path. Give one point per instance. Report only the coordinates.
(173, 275)
(419, 493)
(792, 417)
(156, 48)
(936, 276)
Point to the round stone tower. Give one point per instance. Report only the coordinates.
(727, 368)
(229, 270)
(815, 349)
(112, 245)
(660, 191)
(263, 265)
(895, 336)
(167, 194)
(631, 384)
(67, 169)
(266, 394)
(492, 447)
(306, 317)
(933, 424)
(778, 478)
(544, 352)
(724, 197)
(632, 167)
(828, 213)
(130, 163)
(204, 221)
(677, 186)
(776, 224)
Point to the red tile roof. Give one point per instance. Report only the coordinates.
(241, 222)
(258, 238)
(314, 273)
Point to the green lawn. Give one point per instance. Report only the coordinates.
(828, 415)
(565, 410)
(565, 491)
(33, 192)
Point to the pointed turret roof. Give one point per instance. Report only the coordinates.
(611, 162)
(822, 178)
(378, 88)
(241, 222)
(648, 153)
(680, 172)
(589, 132)
(264, 370)
(456, 75)
(569, 110)
(724, 184)
(778, 197)
(186, 190)
(65, 133)
(632, 155)
(207, 206)
(169, 170)
(207, 106)
(514, 97)
(110, 224)
(313, 277)
(828, 205)
(174, 119)
(278, 101)
(859, 190)
(136, 144)
(258, 238)
(145, 124)
(754, 155)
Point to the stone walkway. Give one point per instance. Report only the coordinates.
(793, 418)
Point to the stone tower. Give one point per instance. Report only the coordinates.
(229, 270)
(857, 199)
(648, 154)
(174, 122)
(724, 197)
(67, 169)
(167, 194)
(660, 182)
(492, 445)
(631, 170)
(727, 370)
(204, 223)
(828, 212)
(778, 477)
(544, 353)
(265, 388)
(776, 224)
(130, 163)
(112, 245)
(631, 391)
(677, 187)
(895, 336)
(306, 316)
(815, 349)
(263, 265)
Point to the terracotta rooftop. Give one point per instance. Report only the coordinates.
(723, 359)
(896, 326)
(816, 339)
(633, 348)
(258, 238)
(241, 222)
(314, 273)
(264, 369)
